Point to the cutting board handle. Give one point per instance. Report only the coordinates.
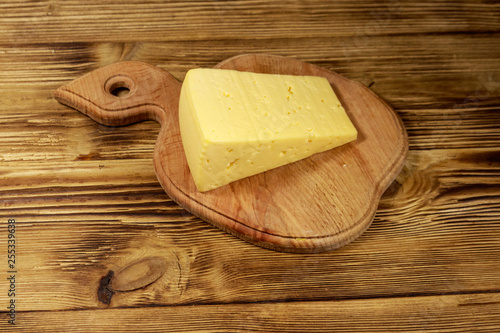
(123, 93)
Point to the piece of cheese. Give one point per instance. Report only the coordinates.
(237, 124)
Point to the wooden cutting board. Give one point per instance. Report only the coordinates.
(317, 204)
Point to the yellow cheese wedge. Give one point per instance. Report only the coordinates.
(237, 124)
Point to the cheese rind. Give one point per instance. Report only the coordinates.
(236, 124)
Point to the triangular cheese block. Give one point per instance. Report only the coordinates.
(237, 124)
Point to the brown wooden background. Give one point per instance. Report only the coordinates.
(86, 200)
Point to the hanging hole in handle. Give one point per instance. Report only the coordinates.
(120, 91)
(119, 86)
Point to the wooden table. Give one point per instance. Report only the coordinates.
(86, 201)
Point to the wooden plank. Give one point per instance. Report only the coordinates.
(446, 313)
(435, 232)
(61, 134)
(456, 128)
(26, 186)
(88, 21)
(34, 127)
(374, 55)
(408, 75)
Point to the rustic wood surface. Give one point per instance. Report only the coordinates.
(101, 247)
(314, 205)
